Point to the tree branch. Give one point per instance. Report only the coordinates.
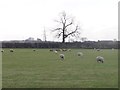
(69, 24)
(57, 29)
(59, 34)
(58, 21)
(72, 32)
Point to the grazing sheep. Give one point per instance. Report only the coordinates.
(80, 54)
(69, 49)
(34, 50)
(2, 50)
(98, 49)
(60, 49)
(64, 50)
(100, 59)
(62, 56)
(11, 50)
(57, 49)
(112, 48)
(55, 52)
(51, 50)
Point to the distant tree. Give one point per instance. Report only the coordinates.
(38, 39)
(67, 27)
(30, 39)
(114, 40)
(83, 39)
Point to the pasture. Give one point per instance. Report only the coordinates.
(25, 68)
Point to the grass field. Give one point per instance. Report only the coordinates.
(43, 69)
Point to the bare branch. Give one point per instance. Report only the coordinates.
(61, 20)
(57, 29)
(59, 34)
(72, 33)
(69, 24)
(58, 21)
(64, 17)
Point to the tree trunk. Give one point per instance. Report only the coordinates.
(63, 41)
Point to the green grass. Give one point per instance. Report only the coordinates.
(44, 69)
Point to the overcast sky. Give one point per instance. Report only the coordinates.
(20, 19)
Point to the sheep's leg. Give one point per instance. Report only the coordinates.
(98, 61)
(102, 61)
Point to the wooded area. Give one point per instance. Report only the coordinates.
(48, 44)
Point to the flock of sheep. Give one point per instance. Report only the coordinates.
(62, 56)
(11, 50)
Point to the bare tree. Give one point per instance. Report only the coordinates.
(67, 27)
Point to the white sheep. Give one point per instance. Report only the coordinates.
(98, 49)
(55, 52)
(2, 50)
(62, 56)
(64, 50)
(11, 50)
(112, 48)
(61, 50)
(80, 54)
(69, 49)
(100, 59)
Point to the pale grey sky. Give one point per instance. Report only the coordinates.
(20, 19)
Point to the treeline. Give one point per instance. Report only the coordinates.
(86, 44)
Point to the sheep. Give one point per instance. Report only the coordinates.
(61, 50)
(57, 49)
(112, 48)
(2, 50)
(69, 49)
(11, 50)
(62, 56)
(51, 50)
(100, 59)
(98, 49)
(34, 50)
(55, 52)
(64, 50)
(80, 54)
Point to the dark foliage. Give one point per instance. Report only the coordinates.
(86, 45)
